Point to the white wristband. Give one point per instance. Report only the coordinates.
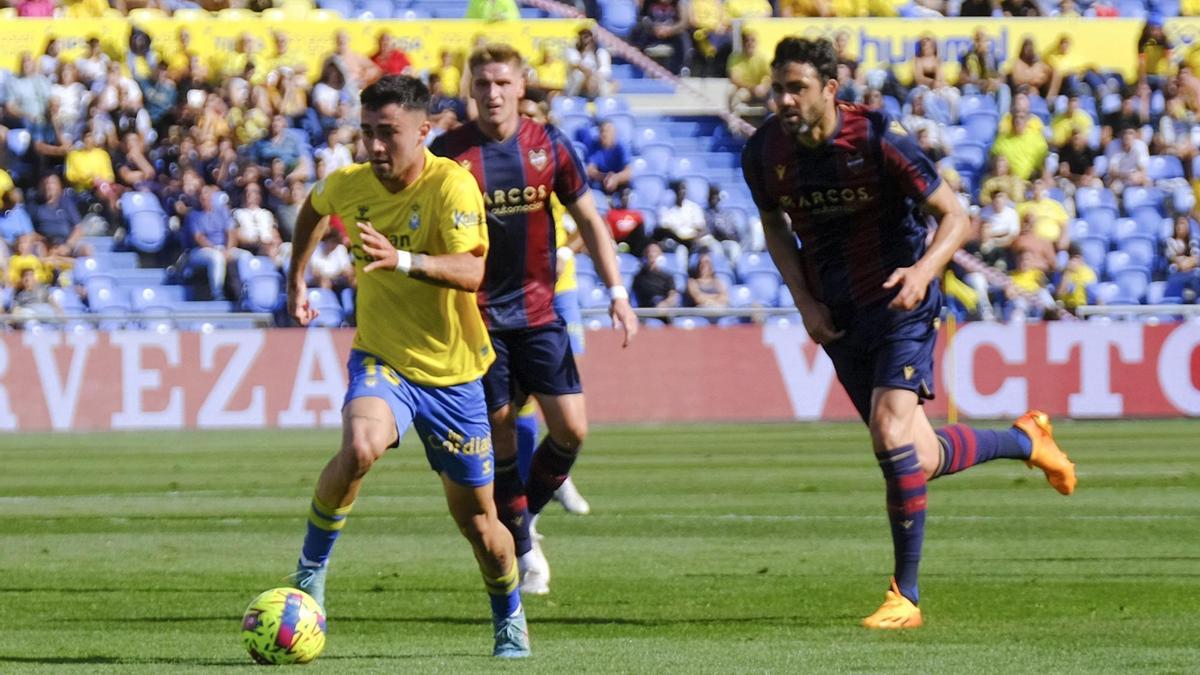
(618, 293)
(404, 262)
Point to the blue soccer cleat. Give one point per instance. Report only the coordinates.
(512, 636)
(311, 580)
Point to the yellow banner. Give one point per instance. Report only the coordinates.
(310, 41)
(1107, 44)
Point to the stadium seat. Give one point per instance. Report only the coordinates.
(596, 298)
(658, 157)
(697, 188)
(740, 296)
(1141, 249)
(1132, 282)
(568, 105)
(151, 297)
(618, 16)
(1183, 199)
(1147, 219)
(328, 308)
(628, 265)
(1094, 250)
(261, 291)
(645, 135)
(1089, 198)
(1164, 167)
(108, 298)
(573, 124)
(608, 105)
(1135, 197)
(970, 155)
(146, 221)
(892, 107)
(649, 188)
(66, 298)
(691, 322)
(249, 265)
(1039, 107)
(978, 104)
(980, 127)
(683, 166)
(624, 124)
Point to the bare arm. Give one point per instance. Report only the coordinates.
(951, 234)
(599, 243)
(310, 228)
(782, 245)
(459, 271)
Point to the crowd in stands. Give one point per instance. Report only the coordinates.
(1079, 183)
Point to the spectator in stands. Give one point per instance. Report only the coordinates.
(72, 99)
(1154, 54)
(90, 171)
(978, 8)
(330, 266)
(389, 57)
(14, 220)
(704, 287)
(608, 166)
(1128, 162)
(35, 9)
(26, 95)
(451, 75)
(1174, 133)
(93, 66)
(445, 111)
(1023, 147)
(713, 33)
(873, 100)
(336, 153)
(27, 255)
(133, 166)
(1028, 69)
(979, 71)
(1063, 72)
(284, 146)
(591, 68)
(628, 225)
(663, 33)
(1077, 164)
(551, 71)
(255, 229)
(160, 96)
(722, 226)
(928, 73)
(56, 219)
(1134, 113)
(327, 99)
(652, 286)
(1020, 8)
(284, 60)
(1181, 250)
(32, 299)
(208, 235)
(357, 70)
(1071, 291)
(1028, 293)
(750, 74)
(1029, 242)
(1002, 179)
(915, 121)
(806, 8)
(683, 222)
(1049, 216)
(849, 89)
(1000, 225)
(1069, 121)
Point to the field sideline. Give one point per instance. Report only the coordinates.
(711, 549)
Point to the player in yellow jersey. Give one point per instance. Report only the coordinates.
(419, 244)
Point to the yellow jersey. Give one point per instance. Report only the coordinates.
(567, 280)
(434, 336)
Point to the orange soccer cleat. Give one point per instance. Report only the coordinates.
(896, 612)
(1046, 455)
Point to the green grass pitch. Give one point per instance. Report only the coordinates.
(711, 549)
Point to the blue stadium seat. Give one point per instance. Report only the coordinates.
(753, 261)
(146, 221)
(344, 7)
(683, 166)
(785, 297)
(981, 127)
(956, 135)
(1089, 198)
(970, 155)
(568, 105)
(1133, 282)
(658, 157)
(1141, 249)
(1134, 197)
(108, 299)
(1094, 250)
(1183, 199)
(151, 297)
(66, 298)
(740, 296)
(1124, 227)
(147, 276)
(645, 135)
(113, 261)
(99, 282)
(1164, 167)
(1147, 219)
(261, 291)
(376, 9)
(892, 107)
(691, 322)
(608, 105)
(1039, 107)
(649, 188)
(328, 307)
(84, 268)
(697, 188)
(249, 265)
(596, 298)
(572, 124)
(625, 125)
(619, 16)
(978, 104)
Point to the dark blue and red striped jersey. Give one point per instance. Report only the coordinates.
(853, 201)
(517, 177)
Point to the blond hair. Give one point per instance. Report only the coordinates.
(496, 53)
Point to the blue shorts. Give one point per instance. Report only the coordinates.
(531, 361)
(567, 306)
(887, 348)
(452, 421)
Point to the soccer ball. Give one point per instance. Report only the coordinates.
(282, 626)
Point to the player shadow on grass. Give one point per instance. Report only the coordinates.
(213, 662)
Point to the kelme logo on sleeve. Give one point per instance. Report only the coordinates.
(465, 219)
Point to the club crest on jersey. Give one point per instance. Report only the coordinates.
(538, 158)
(414, 221)
(780, 170)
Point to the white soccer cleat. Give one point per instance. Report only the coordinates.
(573, 502)
(535, 571)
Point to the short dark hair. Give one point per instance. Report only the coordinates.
(407, 92)
(818, 53)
